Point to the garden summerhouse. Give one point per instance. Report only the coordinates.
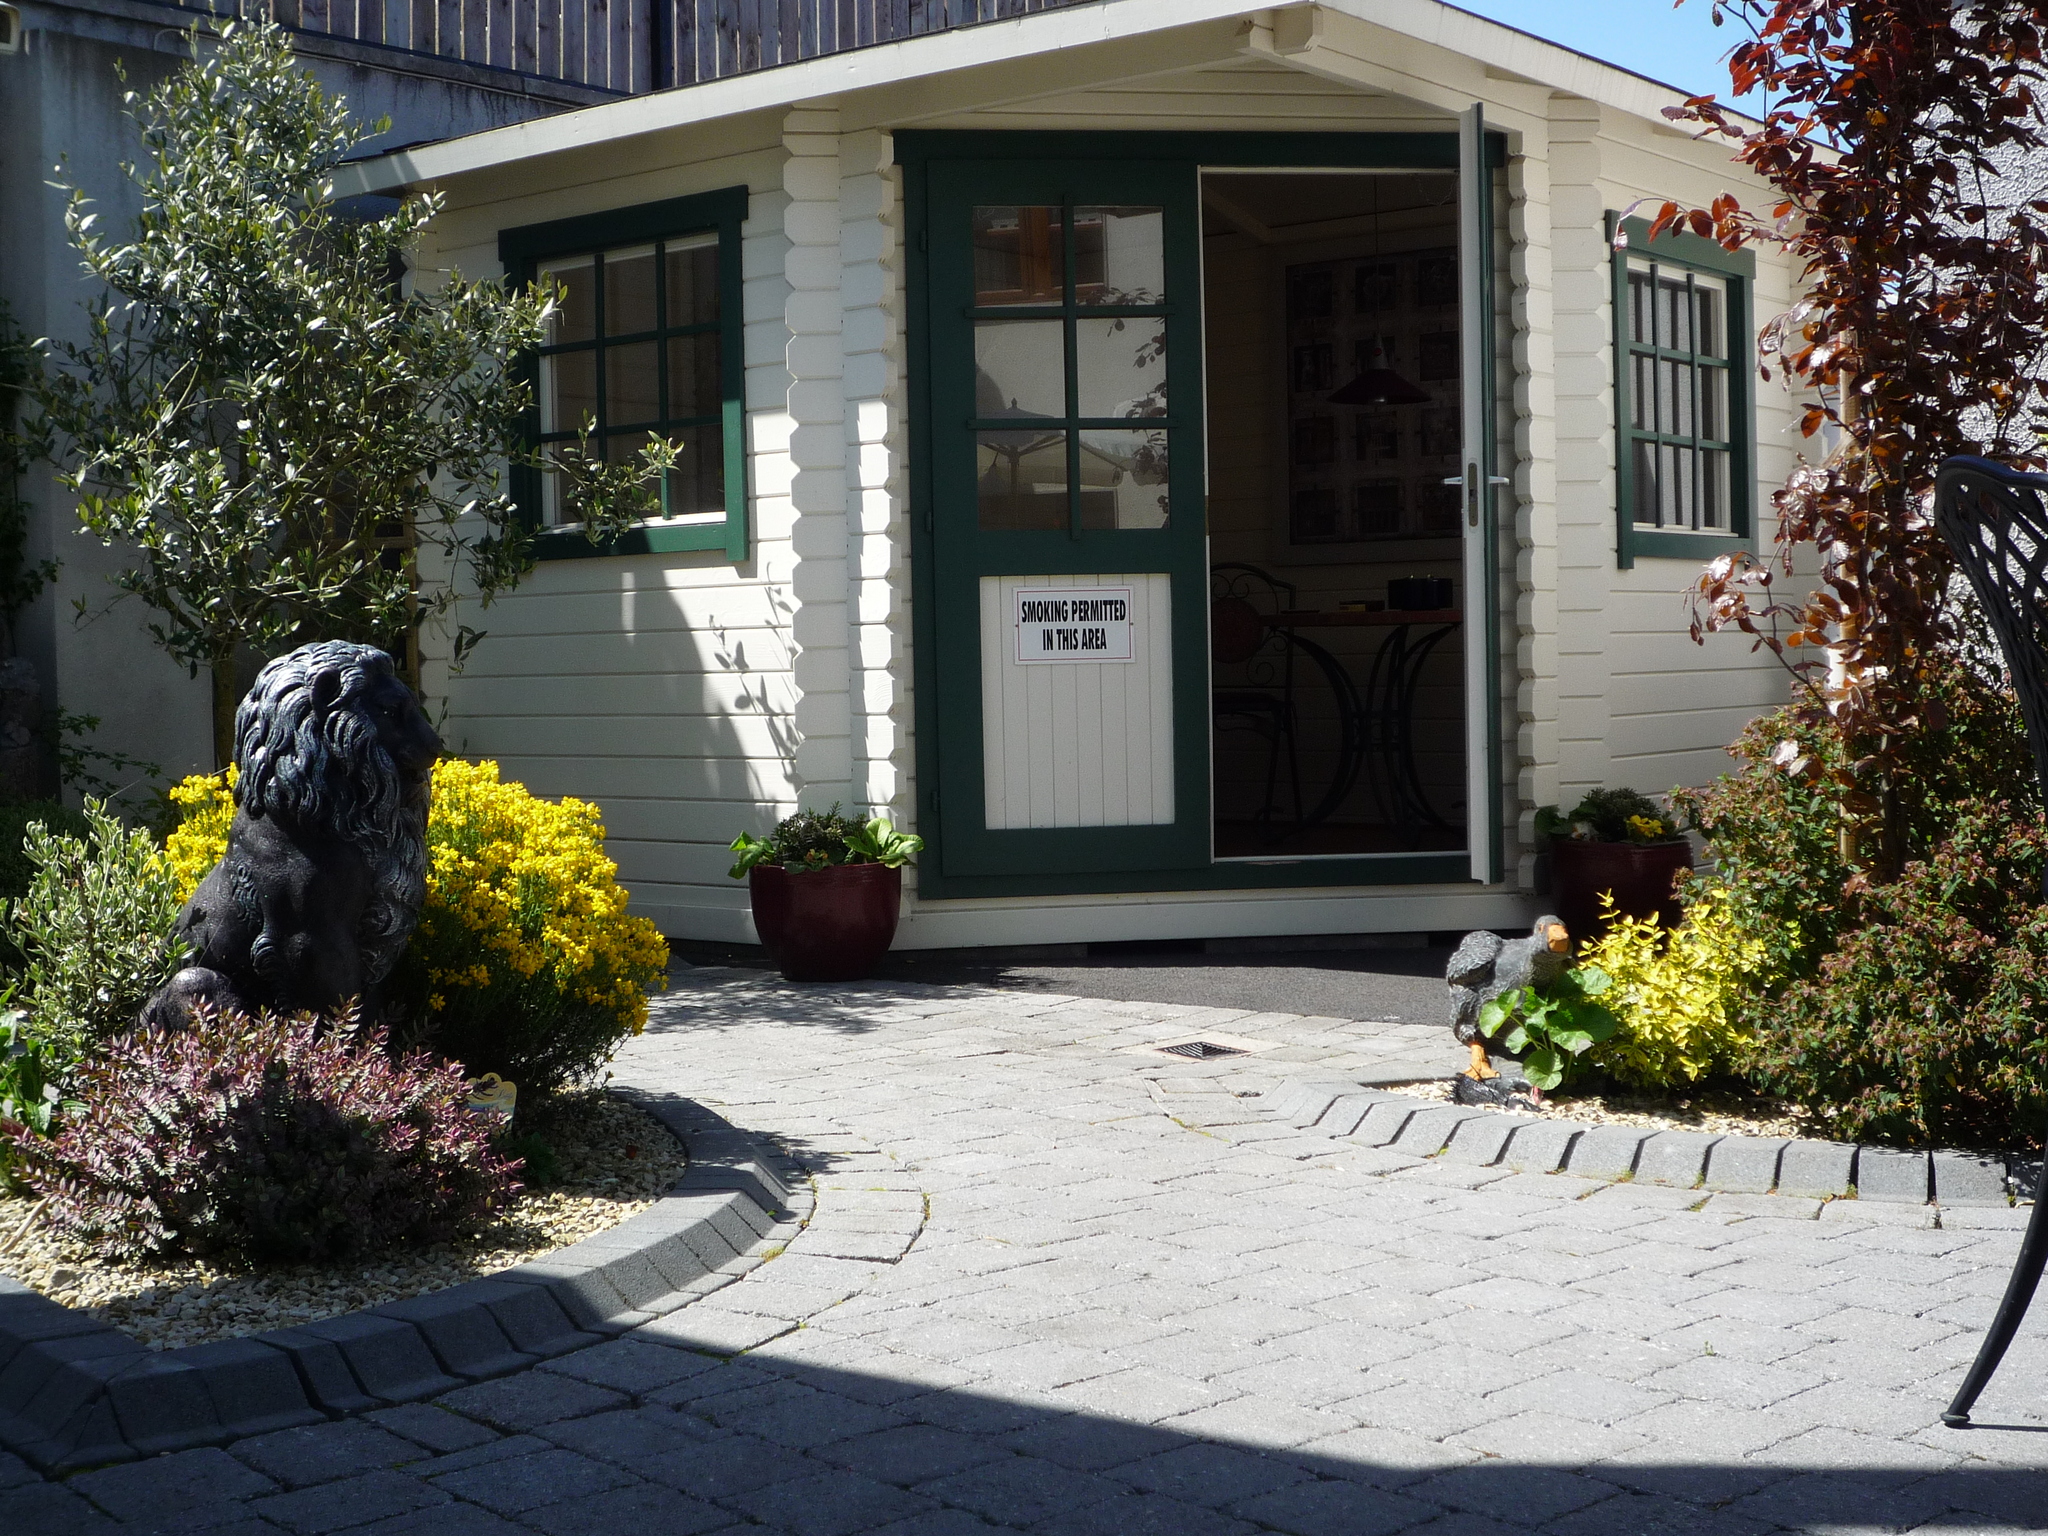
(1211, 471)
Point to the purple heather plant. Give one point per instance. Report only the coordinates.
(261, 1139)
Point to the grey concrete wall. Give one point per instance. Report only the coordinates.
(60, 102)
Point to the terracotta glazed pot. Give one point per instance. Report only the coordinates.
(826, 924)
(1639, 875)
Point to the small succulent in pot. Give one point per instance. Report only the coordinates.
(812, 840)
(1609, 816)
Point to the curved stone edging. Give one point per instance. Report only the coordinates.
(75, 1392)
(1681, 1159)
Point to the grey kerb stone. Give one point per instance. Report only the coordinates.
(1816, 1168)
(1884, 1173)
(1677, 1159)
(75, 1392)
(1963, 1179)
(1606, 1151)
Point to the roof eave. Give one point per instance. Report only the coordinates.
(1490, 43)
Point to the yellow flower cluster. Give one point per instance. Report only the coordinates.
(524, 933)
(206, 802)
(1647, 829)
(1671, 992)
(522, 885)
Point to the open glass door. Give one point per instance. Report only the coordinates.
(1068, 575)
(1354, 594)
(1480, 480)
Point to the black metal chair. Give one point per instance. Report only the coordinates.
(1994, 520)
(1252, 673)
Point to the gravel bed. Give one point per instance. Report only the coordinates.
(613, 1160)
(1725, 1112)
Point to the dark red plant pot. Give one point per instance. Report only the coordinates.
(826, 924)
(1639, 875)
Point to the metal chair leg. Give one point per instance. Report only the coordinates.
(2019, 1294)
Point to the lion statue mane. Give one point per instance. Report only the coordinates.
(326, 864)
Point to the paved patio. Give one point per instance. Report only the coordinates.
(1061, 1284)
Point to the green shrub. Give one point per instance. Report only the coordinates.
(253, 1139)
(31, 1095)
(1673, 990)
(15, 819)
(95, 927)
(1774, 827)
(1896, 986)
(1927, 1022)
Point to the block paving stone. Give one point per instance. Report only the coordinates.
(1056, 1287)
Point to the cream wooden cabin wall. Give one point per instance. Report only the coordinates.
(1638, 702)
(663, 687)
(851, 536)
(1531, 541)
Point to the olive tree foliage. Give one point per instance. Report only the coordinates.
(295, 448)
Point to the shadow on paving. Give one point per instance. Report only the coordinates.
(1375, 985)
(658, 1440)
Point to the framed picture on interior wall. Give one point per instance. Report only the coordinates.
(1379, 507)
(1313, 366)
(1439, 360)
(1376, 286)
(1442, 431)
(1315, 440)
(1379, 438)
(1436, 281)
(1316, 517)
(1441, 505)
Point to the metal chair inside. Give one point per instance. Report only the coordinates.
(1252, 670)
(1994, 519)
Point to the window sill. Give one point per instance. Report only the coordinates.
(1664, 544)
(662, 537)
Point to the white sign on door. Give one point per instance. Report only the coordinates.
(1073, 624)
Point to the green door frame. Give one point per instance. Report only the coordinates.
(1098, 860)
(966, 553)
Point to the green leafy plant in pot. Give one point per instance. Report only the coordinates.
(1614, 841)
(1550, 1030)
(827, 891)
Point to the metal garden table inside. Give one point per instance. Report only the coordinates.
(1376, 721)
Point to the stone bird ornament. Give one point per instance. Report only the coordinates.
(1485, 965)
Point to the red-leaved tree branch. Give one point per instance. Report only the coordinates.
(1922, 331)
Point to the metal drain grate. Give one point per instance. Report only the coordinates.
(1200, 1050)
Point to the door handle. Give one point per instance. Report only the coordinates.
(1470, 480)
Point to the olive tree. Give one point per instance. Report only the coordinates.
(296, 444)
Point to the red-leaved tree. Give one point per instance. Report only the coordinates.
(1922, 332)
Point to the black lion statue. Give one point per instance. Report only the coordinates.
(326, 865)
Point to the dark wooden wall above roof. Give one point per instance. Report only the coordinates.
(627, 47)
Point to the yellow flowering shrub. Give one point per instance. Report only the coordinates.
(525, 962)
(1671, 991)
(206, 804)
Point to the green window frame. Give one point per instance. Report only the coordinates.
(526, 250)
(1684, 412)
